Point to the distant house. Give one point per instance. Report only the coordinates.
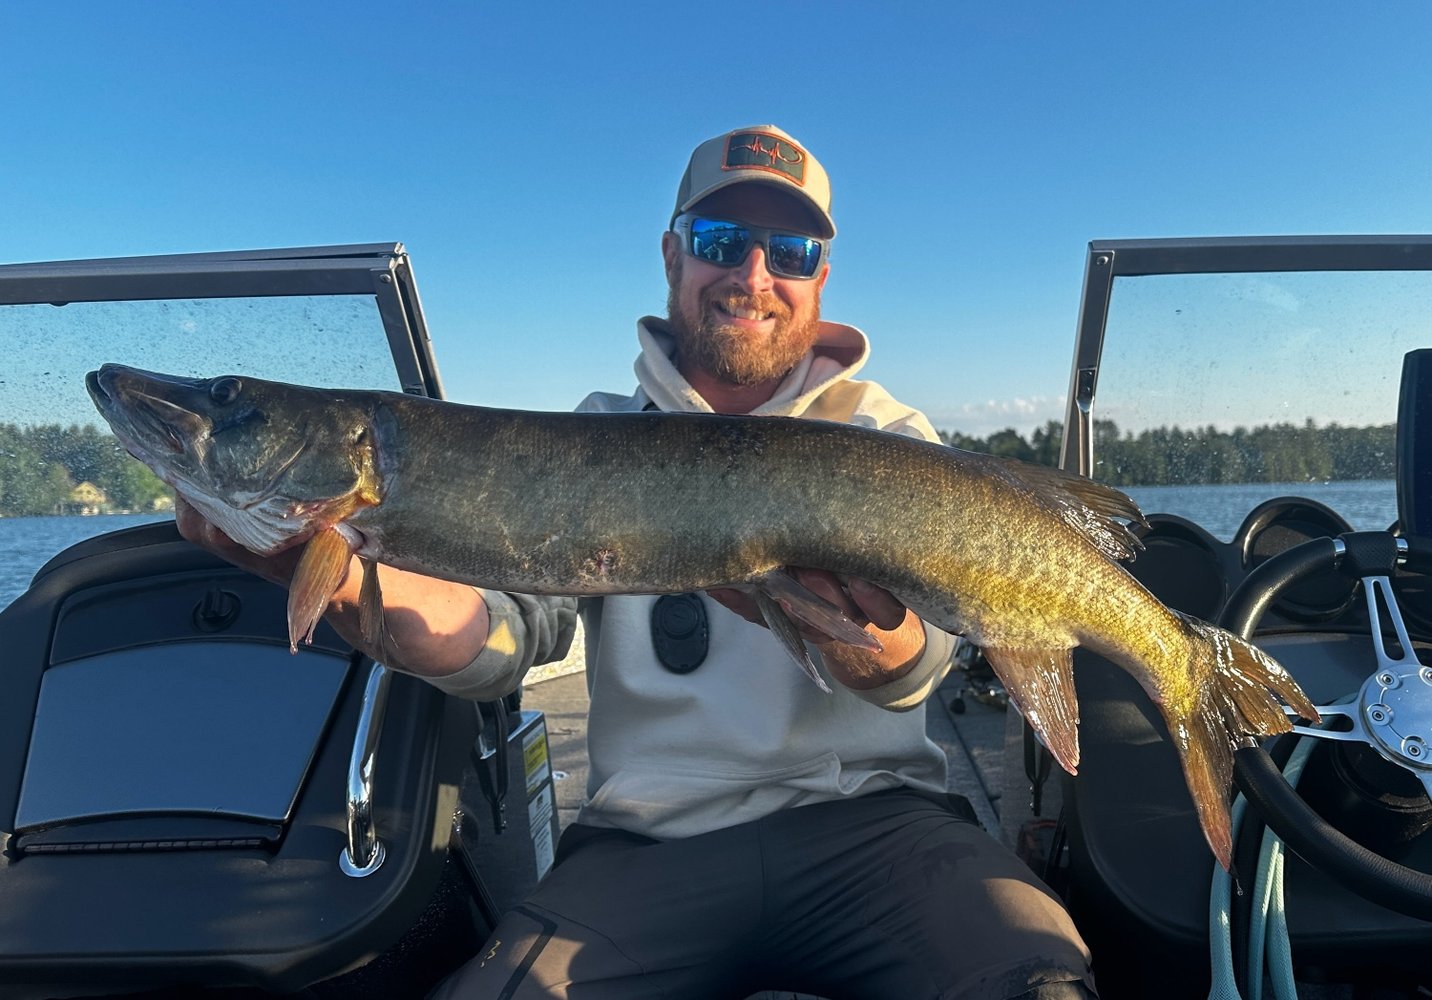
(87, 498)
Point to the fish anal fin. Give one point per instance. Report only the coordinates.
(785, 630)
(320, 569)
(1040, 682)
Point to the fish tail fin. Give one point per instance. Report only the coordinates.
(1236, 702)
(1248, 678)
(320, 570)
(1205, 752)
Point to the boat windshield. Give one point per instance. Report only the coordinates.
(315, 317)
(1227, 373)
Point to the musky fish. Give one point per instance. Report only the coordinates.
(1020, 559)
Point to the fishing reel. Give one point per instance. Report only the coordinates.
(1391, 717)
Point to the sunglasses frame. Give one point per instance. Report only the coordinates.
(756, 234)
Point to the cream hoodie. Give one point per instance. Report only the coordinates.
(746, 733)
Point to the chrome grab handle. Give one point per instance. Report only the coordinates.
(364, 853)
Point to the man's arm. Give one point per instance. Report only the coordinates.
(898, 628)
(435, 627)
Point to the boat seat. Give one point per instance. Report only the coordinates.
(174, 784)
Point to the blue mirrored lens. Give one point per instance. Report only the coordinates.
(793, 255)
(727, 243)
(722, 243)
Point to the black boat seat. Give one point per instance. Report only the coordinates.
(174, 782)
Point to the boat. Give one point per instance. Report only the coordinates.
(187, 809)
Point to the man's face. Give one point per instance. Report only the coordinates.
(742, 324)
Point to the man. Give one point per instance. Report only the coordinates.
(743, 829)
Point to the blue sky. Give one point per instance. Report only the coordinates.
(528, 154)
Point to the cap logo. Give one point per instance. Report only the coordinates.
(764, 151)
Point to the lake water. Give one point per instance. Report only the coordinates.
(26, 543)
(1368, 505)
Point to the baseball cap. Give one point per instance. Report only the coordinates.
(757, 154)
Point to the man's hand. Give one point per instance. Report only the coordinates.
(435, 627)
(207, 535)
(861, 601)
(873, 608)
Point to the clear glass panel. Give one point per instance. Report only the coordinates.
(1219, 391)
(57, 458)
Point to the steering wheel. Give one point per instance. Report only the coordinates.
(1392, 714)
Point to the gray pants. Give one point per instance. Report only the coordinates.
(895, 894)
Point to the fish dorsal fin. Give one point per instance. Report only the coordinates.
(1093, 509)
(1040, 682)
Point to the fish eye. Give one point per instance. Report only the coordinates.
(225, 390)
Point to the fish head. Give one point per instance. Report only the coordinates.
(270, 463)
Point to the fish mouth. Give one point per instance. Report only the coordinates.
(141, 420)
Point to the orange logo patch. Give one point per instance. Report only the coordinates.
(764, 151)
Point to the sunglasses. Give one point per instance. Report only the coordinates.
(726, 244)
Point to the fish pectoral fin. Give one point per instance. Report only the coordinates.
(814, 611)
(783, 602)
(320, 570)
(785, 630)
(1040, 682)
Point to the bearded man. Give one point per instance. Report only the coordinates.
(743, 830)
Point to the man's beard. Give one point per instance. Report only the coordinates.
(709, 342)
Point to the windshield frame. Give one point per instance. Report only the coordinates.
(1107, 260)
(380, 269)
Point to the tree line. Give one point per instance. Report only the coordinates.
(41, 466)
(1275, 453)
